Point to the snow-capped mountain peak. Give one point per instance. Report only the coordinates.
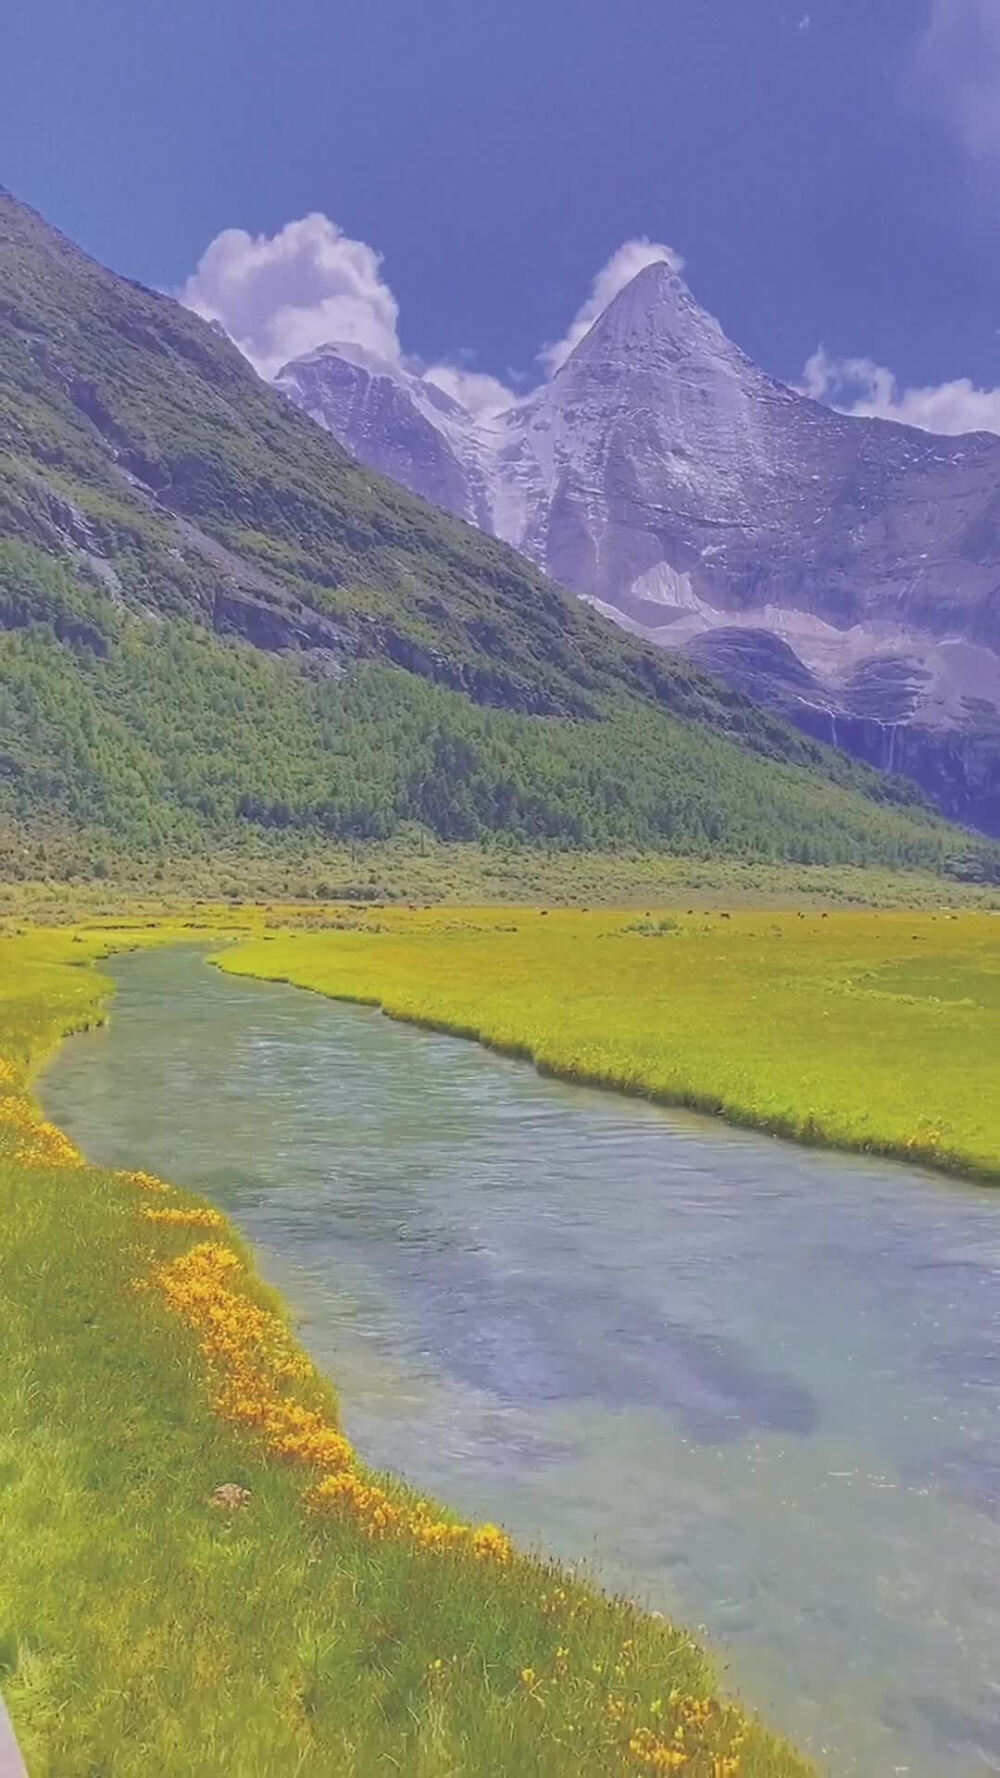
(663, 475)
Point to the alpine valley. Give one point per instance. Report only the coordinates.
(842, 572)
(218, 628)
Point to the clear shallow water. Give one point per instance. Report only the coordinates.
(757, 1387)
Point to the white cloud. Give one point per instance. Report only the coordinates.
(955, 71)
(281, 295)
(474, 389)
(619, 270)
(860, 386)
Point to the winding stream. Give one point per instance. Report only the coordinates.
(755, 1386)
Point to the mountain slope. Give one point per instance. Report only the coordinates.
(213, 620)
(664, 476)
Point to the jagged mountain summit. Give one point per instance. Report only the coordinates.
(843, 571)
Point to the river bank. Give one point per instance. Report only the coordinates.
(751, 1384)
(178, 1586)
(871, 1032)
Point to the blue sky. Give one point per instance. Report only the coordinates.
(827, 168)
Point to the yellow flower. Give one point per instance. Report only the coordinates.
(190, 1219)
(489, 1543)
(656, 1754)
(144, 1182)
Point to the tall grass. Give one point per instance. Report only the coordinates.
(870, 1031)
(196, 1574)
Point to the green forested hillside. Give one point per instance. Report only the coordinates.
(212, 621)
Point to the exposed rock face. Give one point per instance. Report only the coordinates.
(870, 714)
(404, 427)
(845, 572)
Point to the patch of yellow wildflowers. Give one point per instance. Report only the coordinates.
(186, 1219)
(37, 1143)
(252, 1361)
(707, 1738)
(143, 1182)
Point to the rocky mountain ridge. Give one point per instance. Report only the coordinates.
(843, 572)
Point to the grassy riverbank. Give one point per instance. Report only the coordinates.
(154, 1617)
(869, 1031)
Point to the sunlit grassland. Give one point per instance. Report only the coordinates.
(871, 1031)
(324, 1623)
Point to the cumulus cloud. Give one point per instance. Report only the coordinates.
(624, 265)
(955, 71)
(860, 386)
(474, 389)
(280, 295)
